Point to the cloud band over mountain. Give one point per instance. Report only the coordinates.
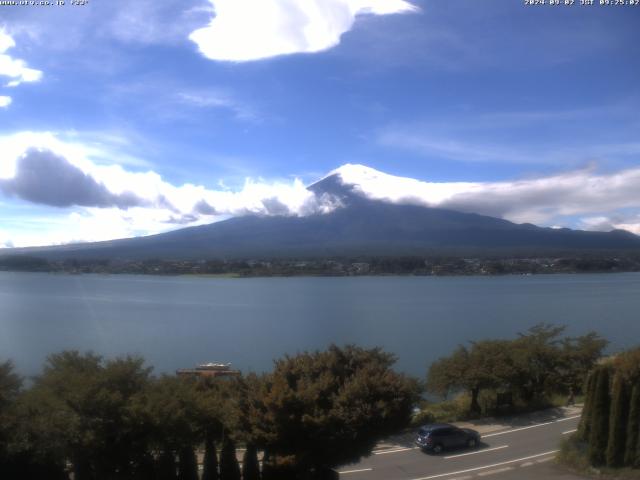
(104, 201)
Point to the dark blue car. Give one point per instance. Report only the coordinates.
(439, 436)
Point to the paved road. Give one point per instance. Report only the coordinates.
(520, 452)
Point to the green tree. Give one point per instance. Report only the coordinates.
(537, 357)
(331, 407)
(584, 428)
(167, 469)
(628, 364)
(84, 404)
(19, 457)
(578, 357)
(229, 467)
(268, 470)
(210, 463)
(187, 464)
(632, 450)
(618, 422)
(36, 447)
(10, 385)
(146, 468)
(535, 365)
(168, 409)
(250, 465)
(218, 411)
(486, 364)
(66, 389)
(599, 435)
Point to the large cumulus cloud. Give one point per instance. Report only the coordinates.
(43, 177)
(244, 30)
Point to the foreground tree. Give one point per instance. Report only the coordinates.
(578, 356)
(18, 456)
(627, 364)
(632, 450)
(599, 434)
(326, 408)
(188, 464)
(618, 423)
(538, 358)
(535, 365)
(250, 465)
(584, 428)
(210, 462)
(229, 467)
(268, 469)
(168, 411)
(167, 469)
(77, 411)
(10, 385)
(486, 364)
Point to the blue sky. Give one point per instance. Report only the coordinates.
(128, 118)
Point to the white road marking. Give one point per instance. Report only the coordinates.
(344, 472)
(570, 431)
(567, 418)
(488, 466)
(462, 478)
(530, 426)
(395, 451)
(526, 464)
(542, 460)
(493, 472)
(477, 451)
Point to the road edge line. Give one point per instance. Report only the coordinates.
(487, 466)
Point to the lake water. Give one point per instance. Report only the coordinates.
(177, 322)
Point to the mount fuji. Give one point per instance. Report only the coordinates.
(361, 211)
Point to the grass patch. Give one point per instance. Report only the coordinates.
(456, 409)
(573, 454)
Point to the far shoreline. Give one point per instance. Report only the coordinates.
(235, 276)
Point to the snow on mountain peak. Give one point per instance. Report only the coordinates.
(356, 171)
(377, 185)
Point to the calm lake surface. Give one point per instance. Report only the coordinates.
(177, 322)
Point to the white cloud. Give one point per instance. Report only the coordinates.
(605, 223)
(5, 241)
(6, 42)
(462, 136)
(107, 201)
(245, 30)
(556, 199)
(432, 145)
(13, 68)
(153, 22)
(441, 146)
(4, 101)
(218, 99)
